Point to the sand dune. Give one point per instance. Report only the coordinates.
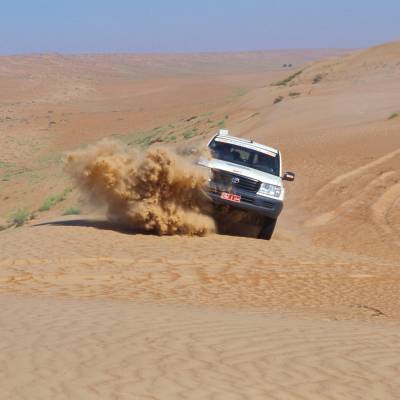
(97, 349)
(92, 310)
(87, 258)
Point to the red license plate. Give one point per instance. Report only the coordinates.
(231, 197)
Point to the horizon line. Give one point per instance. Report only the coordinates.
(60, 53)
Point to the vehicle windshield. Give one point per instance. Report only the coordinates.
(246, 157)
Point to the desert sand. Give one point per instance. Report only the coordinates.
(95, 310)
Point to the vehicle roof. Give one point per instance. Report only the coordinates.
(226, 137)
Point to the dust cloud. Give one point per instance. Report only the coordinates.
(157, 191)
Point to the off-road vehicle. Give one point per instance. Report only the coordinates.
(247, 175)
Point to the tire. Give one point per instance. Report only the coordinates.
(267, 229)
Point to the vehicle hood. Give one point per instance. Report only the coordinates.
(227, 166)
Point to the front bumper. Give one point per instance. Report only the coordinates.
(261, 205)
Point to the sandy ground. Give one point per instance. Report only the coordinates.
(89, 258)
(92, 310)
(104, 349)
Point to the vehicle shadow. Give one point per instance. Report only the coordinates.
(97, 223)
(224, 228)
(242, 230)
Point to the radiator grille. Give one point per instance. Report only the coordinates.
(228, 181)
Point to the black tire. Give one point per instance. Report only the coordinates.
(267, 229)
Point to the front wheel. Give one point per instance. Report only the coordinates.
(267, 229)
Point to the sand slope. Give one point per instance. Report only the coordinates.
(91, 310)
(101, 349)
(85, 258)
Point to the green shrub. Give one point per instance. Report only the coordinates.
(144, 140)
(278, 99)
(294, 94)
(4, 164)
(207, 114)
(189, 133)
(19, 217)
(53, 200)
(285, 81)
(221, 123)
(72, 211)
(317, 78)
(171, 138)
(15, 173)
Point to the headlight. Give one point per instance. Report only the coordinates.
(266, 189)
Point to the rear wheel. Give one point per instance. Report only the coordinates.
(267, 229)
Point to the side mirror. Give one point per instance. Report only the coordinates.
(288, 176)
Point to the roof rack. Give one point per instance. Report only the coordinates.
(225, 136)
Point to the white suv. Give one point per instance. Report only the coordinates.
(247, 175)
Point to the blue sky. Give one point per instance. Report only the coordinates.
(93, 26)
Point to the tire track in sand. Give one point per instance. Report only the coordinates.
(360, 199)
(383, 205)
(358, 171)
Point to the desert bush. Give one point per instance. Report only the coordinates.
(278, 99)
(189, 133)
(317, 78)
(294, 94)
(394, 115)
(148, 140)
(53, 200)
(16, 173)
(72, 211)
(171, 138)
(19, 217)
(144, 139)
(285, 81)
(4, 164)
